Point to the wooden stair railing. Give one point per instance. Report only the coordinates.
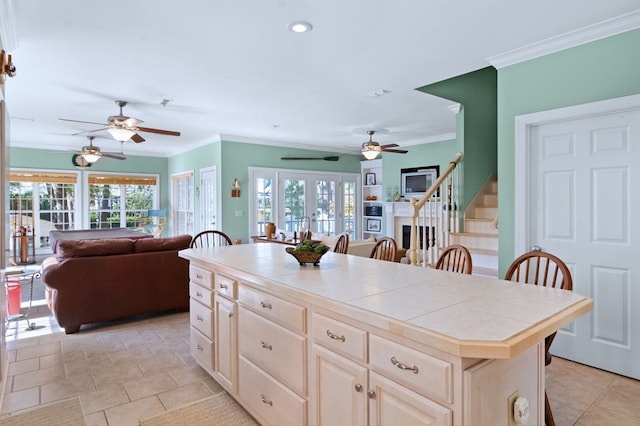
(438, 219)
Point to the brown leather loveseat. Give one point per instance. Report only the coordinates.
(100, 280)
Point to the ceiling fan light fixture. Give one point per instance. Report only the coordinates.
(120, 134)
(91, 157)
(370, 150)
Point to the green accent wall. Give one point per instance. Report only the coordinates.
(476, 125)
(604, 69)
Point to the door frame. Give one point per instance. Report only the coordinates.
(199, 193)
(523, 125)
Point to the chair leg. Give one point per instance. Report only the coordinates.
(548, 416)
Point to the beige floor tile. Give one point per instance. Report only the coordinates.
(135, 353)
(20, 367)
(104, 398)
(120, 374)
(73, 355)
(191, 374)
(131, 413)
(66, 388)
(21, 400)
(184, 395)
(37, 378)
(53, 360)
(38, 351)
(161, 363)
(149, 385)
(89, 365)
(96, 419)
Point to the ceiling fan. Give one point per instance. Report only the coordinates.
(327, 158)
(91, 153)
(123, 128)
(371, 148)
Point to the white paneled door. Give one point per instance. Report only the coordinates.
(208, 199)
(583, 205)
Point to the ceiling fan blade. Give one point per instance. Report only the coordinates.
(114, 155)
(328, 158)
(80, 121)
(158, 131)
(389, 145)
(397, 151)
(89, 131)
(137, 138)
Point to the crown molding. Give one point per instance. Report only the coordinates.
(604, 29)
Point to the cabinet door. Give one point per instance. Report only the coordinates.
(392, 404)
(341, 389)
(226, 357)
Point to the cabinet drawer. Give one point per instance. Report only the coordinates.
(273, 348)
(286, 313)
(201, 276)
(339, 336)
(201, 349)
(273, 402)
(227, 286)
(201, 318)
(201, 294)
(421, 372)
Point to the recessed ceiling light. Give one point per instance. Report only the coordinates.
(300, 27)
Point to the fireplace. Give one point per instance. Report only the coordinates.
(406, 236)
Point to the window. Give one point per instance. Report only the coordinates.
(118, 201)
(327, 199)
(182, 204)
(41, 201)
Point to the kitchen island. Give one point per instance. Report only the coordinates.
(362, 341)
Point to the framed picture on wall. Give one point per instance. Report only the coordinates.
(370, 178)
(373, 225)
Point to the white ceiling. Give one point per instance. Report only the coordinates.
(232, 69)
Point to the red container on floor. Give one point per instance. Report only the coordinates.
(13, 296)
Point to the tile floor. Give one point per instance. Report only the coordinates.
(129, 370)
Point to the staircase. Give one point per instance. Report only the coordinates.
(480, 234)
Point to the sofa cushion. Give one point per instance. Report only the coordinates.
(178, 242)
(85, 248)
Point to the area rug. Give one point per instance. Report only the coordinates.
(218, 410)
(64, 413)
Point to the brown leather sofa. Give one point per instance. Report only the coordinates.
(100, 280)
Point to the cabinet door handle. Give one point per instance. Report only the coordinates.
(358, 387)
(200, 348)
(199, 276)
(265, 346)
(198, 294)
(266, 305)
(224, 286)
(265, 400)
(402, 366)
(371, 393)
(230, 314)
(335, 336)
(199, 318)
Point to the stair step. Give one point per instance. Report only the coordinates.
(484, 212)
(481, 241)
(490, 200)
(482, 226)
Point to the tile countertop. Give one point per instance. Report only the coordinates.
(463, 315)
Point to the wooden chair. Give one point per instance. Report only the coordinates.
(545, 269)
(342, 245)
(455, 258)
(385, 249)
(210, 238)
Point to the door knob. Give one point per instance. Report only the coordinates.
(536, 248)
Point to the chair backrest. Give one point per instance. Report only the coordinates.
(342, 245)
(385, 249)
(545, 269)
(305, 235)
(455, 258)
(210, 238)
(540, 268)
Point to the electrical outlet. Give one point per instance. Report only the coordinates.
(510, 402)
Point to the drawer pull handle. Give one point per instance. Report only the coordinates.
(358, 387)
(371, 393)
(402, 366)
(265, 346)
(335, 336)
(200, 348)
(265, 400)
(230, 314)
(199, 318)
(199, 276)
(198, 294)
(224, 286)
(266, 305)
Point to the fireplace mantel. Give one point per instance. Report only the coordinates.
(398, 214)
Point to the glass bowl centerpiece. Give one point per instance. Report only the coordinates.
(308, 252)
